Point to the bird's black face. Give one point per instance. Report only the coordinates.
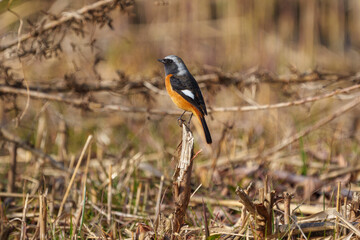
(165, 61)
(170, 66)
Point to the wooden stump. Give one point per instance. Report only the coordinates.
(182, 180)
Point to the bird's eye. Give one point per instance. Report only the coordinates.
(169, 61)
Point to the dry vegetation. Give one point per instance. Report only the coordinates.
(90, 143)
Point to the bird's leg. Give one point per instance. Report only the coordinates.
(180, 120)
(182, 115)
(190, 119)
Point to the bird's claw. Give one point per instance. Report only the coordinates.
(180, 121)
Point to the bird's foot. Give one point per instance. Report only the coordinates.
(180, 121)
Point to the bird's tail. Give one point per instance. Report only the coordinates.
(206, 129)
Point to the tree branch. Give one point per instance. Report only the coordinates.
(101, 107)
(62, 20)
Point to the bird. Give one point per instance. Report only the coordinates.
(184, 91)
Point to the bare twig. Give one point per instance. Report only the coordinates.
(62, 20)
(312, 128)
(155, 84)
(339, 172)
(79, 215)
(20, 116)
(304, 209)
(109, 196)
(42, 216)
(20, 25)
(287, 199)
(316, 226)
(12, 172)
(286, 142)
(9, 137)
(338, 205)
(257, 211)
(206, 224)
(137, 200)
(103, 107)
(285, 104)
(158, 202)
(117, 213)
(88, 141)
(23, 220)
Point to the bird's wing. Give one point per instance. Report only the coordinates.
(188, 88)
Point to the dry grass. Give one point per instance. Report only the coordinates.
(90, 140)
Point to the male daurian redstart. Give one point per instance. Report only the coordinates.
(184, 90)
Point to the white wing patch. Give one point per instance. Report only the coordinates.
(188, 93)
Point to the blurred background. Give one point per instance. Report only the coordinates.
(233, 35)
(238, 50)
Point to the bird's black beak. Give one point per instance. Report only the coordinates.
(161, 60)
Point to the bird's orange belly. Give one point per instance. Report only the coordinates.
(181, 102)
(178, 99)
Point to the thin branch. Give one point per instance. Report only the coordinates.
(20, 26)
(101, 107)
(9, 137)
(155, 84)
(284, 104)
(23, 220)
(312, 128)
(62, 86)
(87, 143)
(286, 142)
(62, 20)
